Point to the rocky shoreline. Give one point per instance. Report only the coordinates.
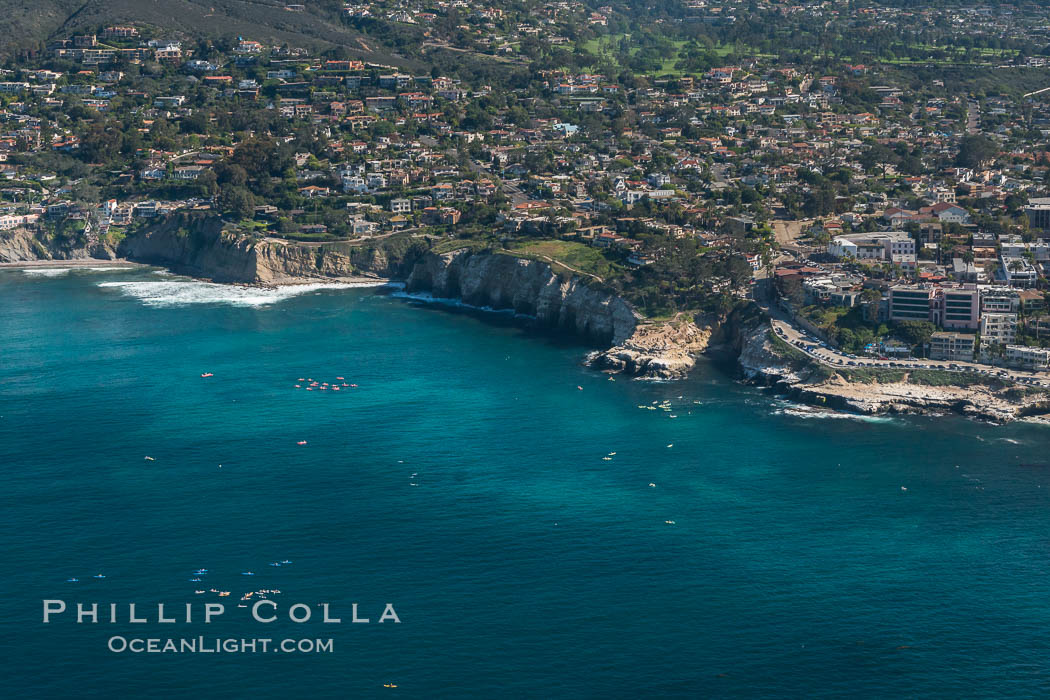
(764, 363)
(661, 350)
(636, 347)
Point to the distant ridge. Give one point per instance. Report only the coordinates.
(29, 25)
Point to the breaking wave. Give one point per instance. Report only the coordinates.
(806, 412)
(46, 271)
(185, 292)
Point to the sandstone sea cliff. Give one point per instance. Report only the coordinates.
(527, 287)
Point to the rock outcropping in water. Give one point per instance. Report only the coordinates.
(527, 287)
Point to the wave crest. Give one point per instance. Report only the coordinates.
(185, 292)
(46, 271)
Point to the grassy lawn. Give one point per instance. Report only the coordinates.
(577, 255)
(606, 47)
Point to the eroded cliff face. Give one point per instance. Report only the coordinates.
(23, 245)
(527, 287)
(202, 249)
(199, 247)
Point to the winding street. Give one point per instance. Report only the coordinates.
(828, 356)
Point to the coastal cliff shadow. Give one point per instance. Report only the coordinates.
(509, 319)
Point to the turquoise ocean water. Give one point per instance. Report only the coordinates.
(463, 480)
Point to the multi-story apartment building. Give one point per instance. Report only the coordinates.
(999, 300)
(1000, 328)
(950, 346)
(1024, 356)
(958, 308)
(910, 303)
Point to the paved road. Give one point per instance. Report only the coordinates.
(826, 355)
(973, 117)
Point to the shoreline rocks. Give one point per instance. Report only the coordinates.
(643, 349)
(656, 350)
(762, 363)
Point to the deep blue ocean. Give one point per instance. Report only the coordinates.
(536, 539)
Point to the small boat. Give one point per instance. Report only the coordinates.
(198, 592)
(207, 374)
(301, 442)
(339, 378)
(99, 576)
(904, 488)
(298, 386)
(284, 562)
(72, 580)
(389, 685)
(612, 454)
(652, 485)
(300, 379)
(224, 594)
(671, 445)
(195, 580)
(354, 386)
(579, 387)
(247, 573)
(275, 563)
(149, 459)
(607, 459)
(669, 522)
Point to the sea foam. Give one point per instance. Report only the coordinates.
(182, 292)
(809, 413)
(46, 271)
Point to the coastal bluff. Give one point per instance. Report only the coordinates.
(205, 250)
(527, 287)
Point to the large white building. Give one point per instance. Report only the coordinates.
(1017, 271)
(1024, 356)
(889, 246)
(1000, 328)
